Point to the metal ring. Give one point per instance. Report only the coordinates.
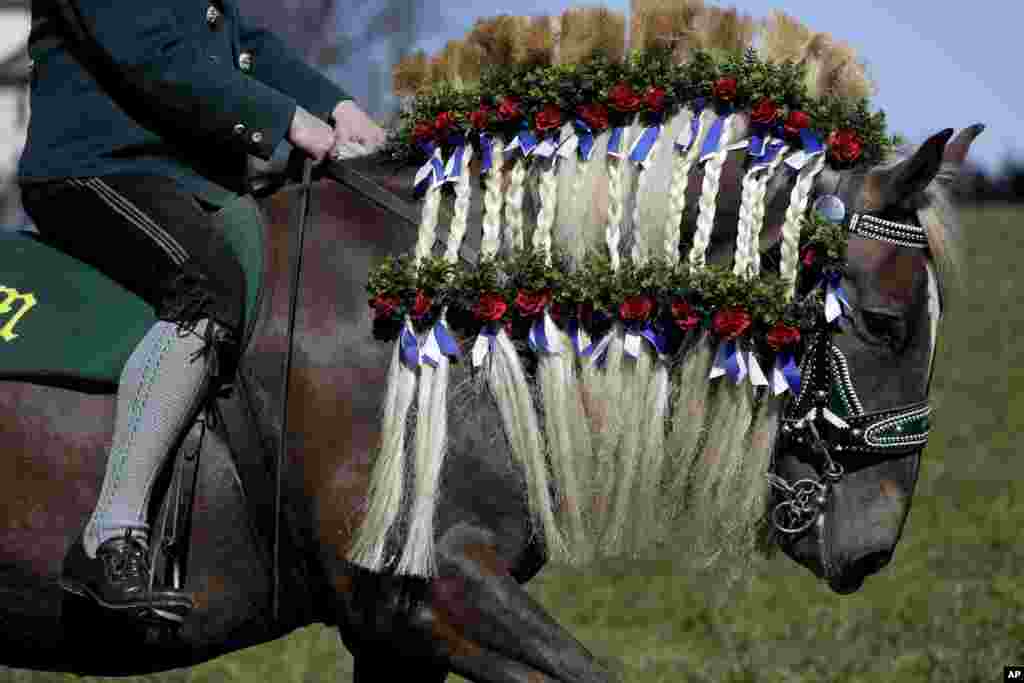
(783, 525)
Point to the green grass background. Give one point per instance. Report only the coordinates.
(950, 607)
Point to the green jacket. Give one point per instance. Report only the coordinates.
(188, 90)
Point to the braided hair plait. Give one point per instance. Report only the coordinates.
(494, 200)
(428, 223)
(514, 204)
(798, 199)
(463, 188)
(709, 197)
(548, 207)
(616, 194)
(681, 166)
(757, 217)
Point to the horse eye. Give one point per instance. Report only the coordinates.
(884, 326)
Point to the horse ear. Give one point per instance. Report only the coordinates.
(912, 175)
(958, 147)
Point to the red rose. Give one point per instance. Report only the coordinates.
(730, 323)
(655, 99)
(549, 117)
(685, 317)
(636, 308)
(844, 145)
(594, 115)
(423, 131)
(480, 118)
(490, 307)
(532, 303)
(765, 111)
(796, 121)
(422, 305)
(724, 89)
(508, 109)
(781, 336)
(443, 122)
(809, 256)
(623, 98)
(383, 306)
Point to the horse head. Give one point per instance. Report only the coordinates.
(855, 436)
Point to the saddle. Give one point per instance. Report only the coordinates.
(65, 324)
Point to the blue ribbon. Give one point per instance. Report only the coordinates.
(728, 359)
(810, 141)
(656, 337)
(436, 169)
(586, 139)
(409, 349)
(834, 288)
(616, 139)
(456, 159)
(538, 341)
(785, 362)
(714, 139)
(486, 152)
(643, 145)
(445, 341)
(526, 139)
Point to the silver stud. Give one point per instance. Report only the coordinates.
(245, 61)
(212, 15)
(257, 137)
(239, 129)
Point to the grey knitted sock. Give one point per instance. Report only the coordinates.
(160, 388)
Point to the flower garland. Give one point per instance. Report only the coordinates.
(660, 301)
(599, 94)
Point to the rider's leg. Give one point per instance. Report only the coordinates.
(161, 387)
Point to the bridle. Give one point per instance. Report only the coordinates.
(827, 417)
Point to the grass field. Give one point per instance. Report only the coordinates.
(949, 608)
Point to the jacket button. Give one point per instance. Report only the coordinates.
(257, 137)
(245, 61)
(212, 16)
(239, 129)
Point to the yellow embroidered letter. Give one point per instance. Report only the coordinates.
(8, 296)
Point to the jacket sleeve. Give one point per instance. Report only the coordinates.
(158, 59)
(280, 67)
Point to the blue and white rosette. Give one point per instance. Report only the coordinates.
(835, 295)
(409, 347)
(730, 361)
(439, 342)
(543, 336)
(615, 142)
(484, 343)
(582, 142)
(430, 173)
(453, 169)
(523, 140)
(688, 135)
(637, 332)
(579, 337)
(486, 152)
(640, 150)
(785, 374)
(598, 351)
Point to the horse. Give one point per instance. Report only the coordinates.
(475, 617)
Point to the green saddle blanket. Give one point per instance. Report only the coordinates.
(63, 323)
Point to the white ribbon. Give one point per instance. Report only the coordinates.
(757, 377)
(568, 146)
(481, 347)
(428, 168)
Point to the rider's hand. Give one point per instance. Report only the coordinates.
(311, 135)
(355, 130)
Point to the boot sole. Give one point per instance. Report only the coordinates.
(159, 615)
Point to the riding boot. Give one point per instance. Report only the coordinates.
(117, 579)
(161, 389)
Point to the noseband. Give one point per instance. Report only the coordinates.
(827, 417)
